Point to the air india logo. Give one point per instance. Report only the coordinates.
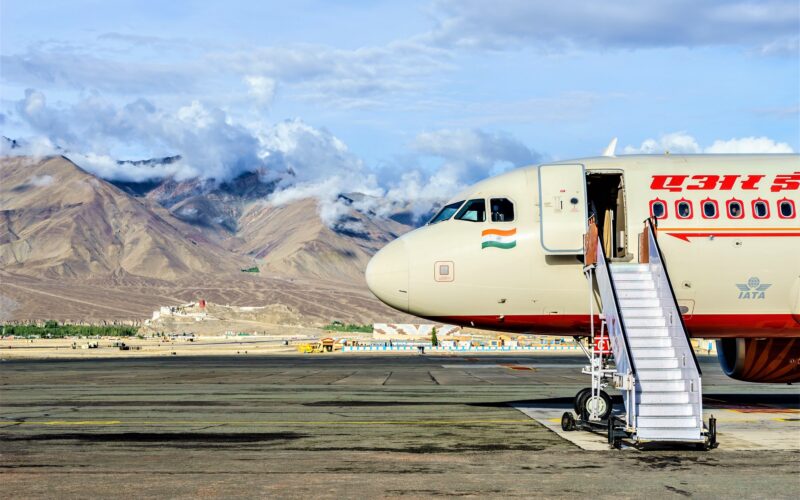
(753, 289)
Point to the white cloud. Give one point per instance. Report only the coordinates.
(788, 46)
(474, 154)
(363, 76)
(622, 24)
(683, 143)
(675, 142)
(749, 145)
(211, 144)
(41, 180)
(65, 66)
(324, 168)
(261, 88)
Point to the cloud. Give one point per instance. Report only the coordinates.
(308, 153)
(365, 76)
(66, 66)
(781, 112)
(324, 169)
(675, 142)
(749, 145)
(683, 143)
(133, 64)
(41, 180)
(474, 154)
(211, 144)
(629, 24)
(261, 88)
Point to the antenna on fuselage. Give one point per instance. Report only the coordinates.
(611, 149)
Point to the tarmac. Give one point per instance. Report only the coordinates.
(363, 425)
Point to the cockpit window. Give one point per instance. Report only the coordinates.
(473, 211)
(502, 210)
(446, 212)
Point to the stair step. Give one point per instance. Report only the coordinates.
(667, 422)
(660, 374)
(644, 322)
(662, 385)
(642, 312)
(659, 398)
(636, 294)
(649, 342)
(634, 285)
(653, 363)
(632, 277)
(629, 303)
(631, 268)
(670, 410)
(658, 434)
(663, 352)
(647, 332)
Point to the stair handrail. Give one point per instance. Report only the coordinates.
(604, 268)
(654, 251)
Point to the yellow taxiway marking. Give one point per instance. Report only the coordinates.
(90, 423)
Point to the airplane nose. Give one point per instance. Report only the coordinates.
(387, 275)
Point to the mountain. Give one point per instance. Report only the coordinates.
(57, 220)
(292, 240)
(74, 247)
(289, 240)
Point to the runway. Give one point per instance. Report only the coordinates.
(357, 425)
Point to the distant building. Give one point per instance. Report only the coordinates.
(190, 310)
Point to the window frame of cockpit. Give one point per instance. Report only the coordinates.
(433, 219)
(489, 210)
(458, 214)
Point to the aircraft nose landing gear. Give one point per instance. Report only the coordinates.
(587, 405)
(593, 408)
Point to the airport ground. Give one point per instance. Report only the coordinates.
(349, 425)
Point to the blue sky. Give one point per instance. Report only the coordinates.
(437, 93)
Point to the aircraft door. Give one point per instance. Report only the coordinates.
(562, 207)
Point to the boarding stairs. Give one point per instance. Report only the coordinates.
(655, 367)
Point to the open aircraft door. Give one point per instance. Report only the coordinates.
(562, 208)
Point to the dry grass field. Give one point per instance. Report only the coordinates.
(312, 302)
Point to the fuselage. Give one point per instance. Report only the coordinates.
(727, 224)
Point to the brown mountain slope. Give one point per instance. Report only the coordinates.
(57, 220)
(292, 240)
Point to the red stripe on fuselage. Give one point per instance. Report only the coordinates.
(699, 325)
(686, 236)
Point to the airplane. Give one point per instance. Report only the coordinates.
(507, 254)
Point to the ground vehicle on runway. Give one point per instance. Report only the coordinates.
(506, 254)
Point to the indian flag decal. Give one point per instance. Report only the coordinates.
(499, 238)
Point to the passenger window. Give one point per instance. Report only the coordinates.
(684, 209)
(735, 209)
(473, 211)
(760, 209)
(710, 209)
(502, 210)
(658, 209)
(446, 212)
(786, 209)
